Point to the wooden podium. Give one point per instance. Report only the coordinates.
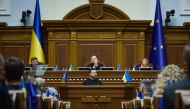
(96, 97)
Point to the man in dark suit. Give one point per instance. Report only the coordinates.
(93, 80)
(183, 84)
(5, 100)
(34, 63)
(94, 63)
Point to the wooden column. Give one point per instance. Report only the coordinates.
(73, 51)
(141, 46)
(51, 50)
(119, 50)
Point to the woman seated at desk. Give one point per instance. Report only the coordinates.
(143, 63)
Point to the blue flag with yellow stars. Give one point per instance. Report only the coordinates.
(158, 50)
(31, 98)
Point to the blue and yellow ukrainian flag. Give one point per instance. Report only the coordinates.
(125, 78)
(36, 48)
(22, 87)
(64, 77)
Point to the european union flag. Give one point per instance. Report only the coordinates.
(36, 48)
(158, 51)
(141, 95)
(152, 93)
(161, 103)
(128, 77)
(119, 67)
(64, 77)
(31, 98)
(71, 68)
(56, 67)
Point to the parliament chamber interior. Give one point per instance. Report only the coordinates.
(100, 29)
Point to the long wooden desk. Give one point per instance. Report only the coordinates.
(96, 97)
(54, 78)
(101, 74)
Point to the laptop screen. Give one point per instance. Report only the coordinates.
(41, 69)
(28, 68)
(145, 68)
(106, 68)
(83, 68)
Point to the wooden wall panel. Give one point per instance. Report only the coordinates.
(174, 55)
(104, 51)
(130, 54)
(147, 51)
(16, 51)
(62, 56)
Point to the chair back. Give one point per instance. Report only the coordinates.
(147, 103)
(182, 99)
(138, 104)
(55, 104)
(39, 101)
(156, 100)
(47, 102)
(65, 104)
(17, 97)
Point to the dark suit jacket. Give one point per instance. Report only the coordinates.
(169, 92)
(88, 81)
(97, 68)
(5, 99)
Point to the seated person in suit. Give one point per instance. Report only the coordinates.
(93, 80)
(94, 63)
(5, 100)
(14, 70)
(143, 63)
(145, 87)
(34, 63)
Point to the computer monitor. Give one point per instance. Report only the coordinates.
(28, 68)
(145, 68)
(50, 68)
(106, 68)
(83, 68)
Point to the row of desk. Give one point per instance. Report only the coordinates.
(107, 96)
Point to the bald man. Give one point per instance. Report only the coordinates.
(94, 63)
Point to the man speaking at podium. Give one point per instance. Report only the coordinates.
(93, 80)
(94, 63)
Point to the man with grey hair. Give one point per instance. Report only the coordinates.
(5, 100)
(183, 84)
(145, 87)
